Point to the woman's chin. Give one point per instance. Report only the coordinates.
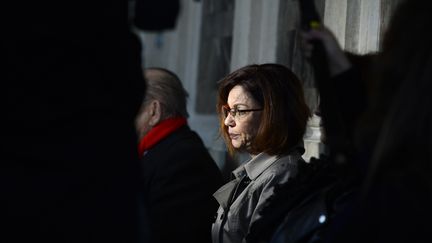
(236, 146)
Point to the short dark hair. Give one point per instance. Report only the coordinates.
(166, 87)
(285, 113)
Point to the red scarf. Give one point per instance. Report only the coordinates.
(159, 132)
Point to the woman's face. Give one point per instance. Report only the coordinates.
(243, 126)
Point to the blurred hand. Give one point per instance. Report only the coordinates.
(337, 60)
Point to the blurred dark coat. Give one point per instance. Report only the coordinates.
(72, 88)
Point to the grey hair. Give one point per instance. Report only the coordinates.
(166, 87)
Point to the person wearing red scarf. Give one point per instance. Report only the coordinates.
(178, 174)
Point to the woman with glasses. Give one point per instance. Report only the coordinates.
(262, 112)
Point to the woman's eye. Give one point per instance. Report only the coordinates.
(241, 113)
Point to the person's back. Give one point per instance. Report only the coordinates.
(178, 174)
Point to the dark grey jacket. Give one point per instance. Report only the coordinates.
(178, 180)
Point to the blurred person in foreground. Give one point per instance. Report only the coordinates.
(71, 90)
(392, 136)
(178, 174)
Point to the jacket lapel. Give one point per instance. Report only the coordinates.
(224, 193)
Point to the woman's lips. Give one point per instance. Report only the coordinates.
(233, 135)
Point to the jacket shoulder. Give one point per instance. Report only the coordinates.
(305, 203)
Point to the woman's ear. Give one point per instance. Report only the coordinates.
(155, 112)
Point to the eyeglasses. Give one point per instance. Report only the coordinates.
(236, 112)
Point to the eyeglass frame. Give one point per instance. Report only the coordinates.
(234, 112)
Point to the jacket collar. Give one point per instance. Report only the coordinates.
(255, 166)
(258, 164)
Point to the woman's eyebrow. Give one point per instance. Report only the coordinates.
(240, 104)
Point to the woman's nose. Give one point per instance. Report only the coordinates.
(229, 120)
